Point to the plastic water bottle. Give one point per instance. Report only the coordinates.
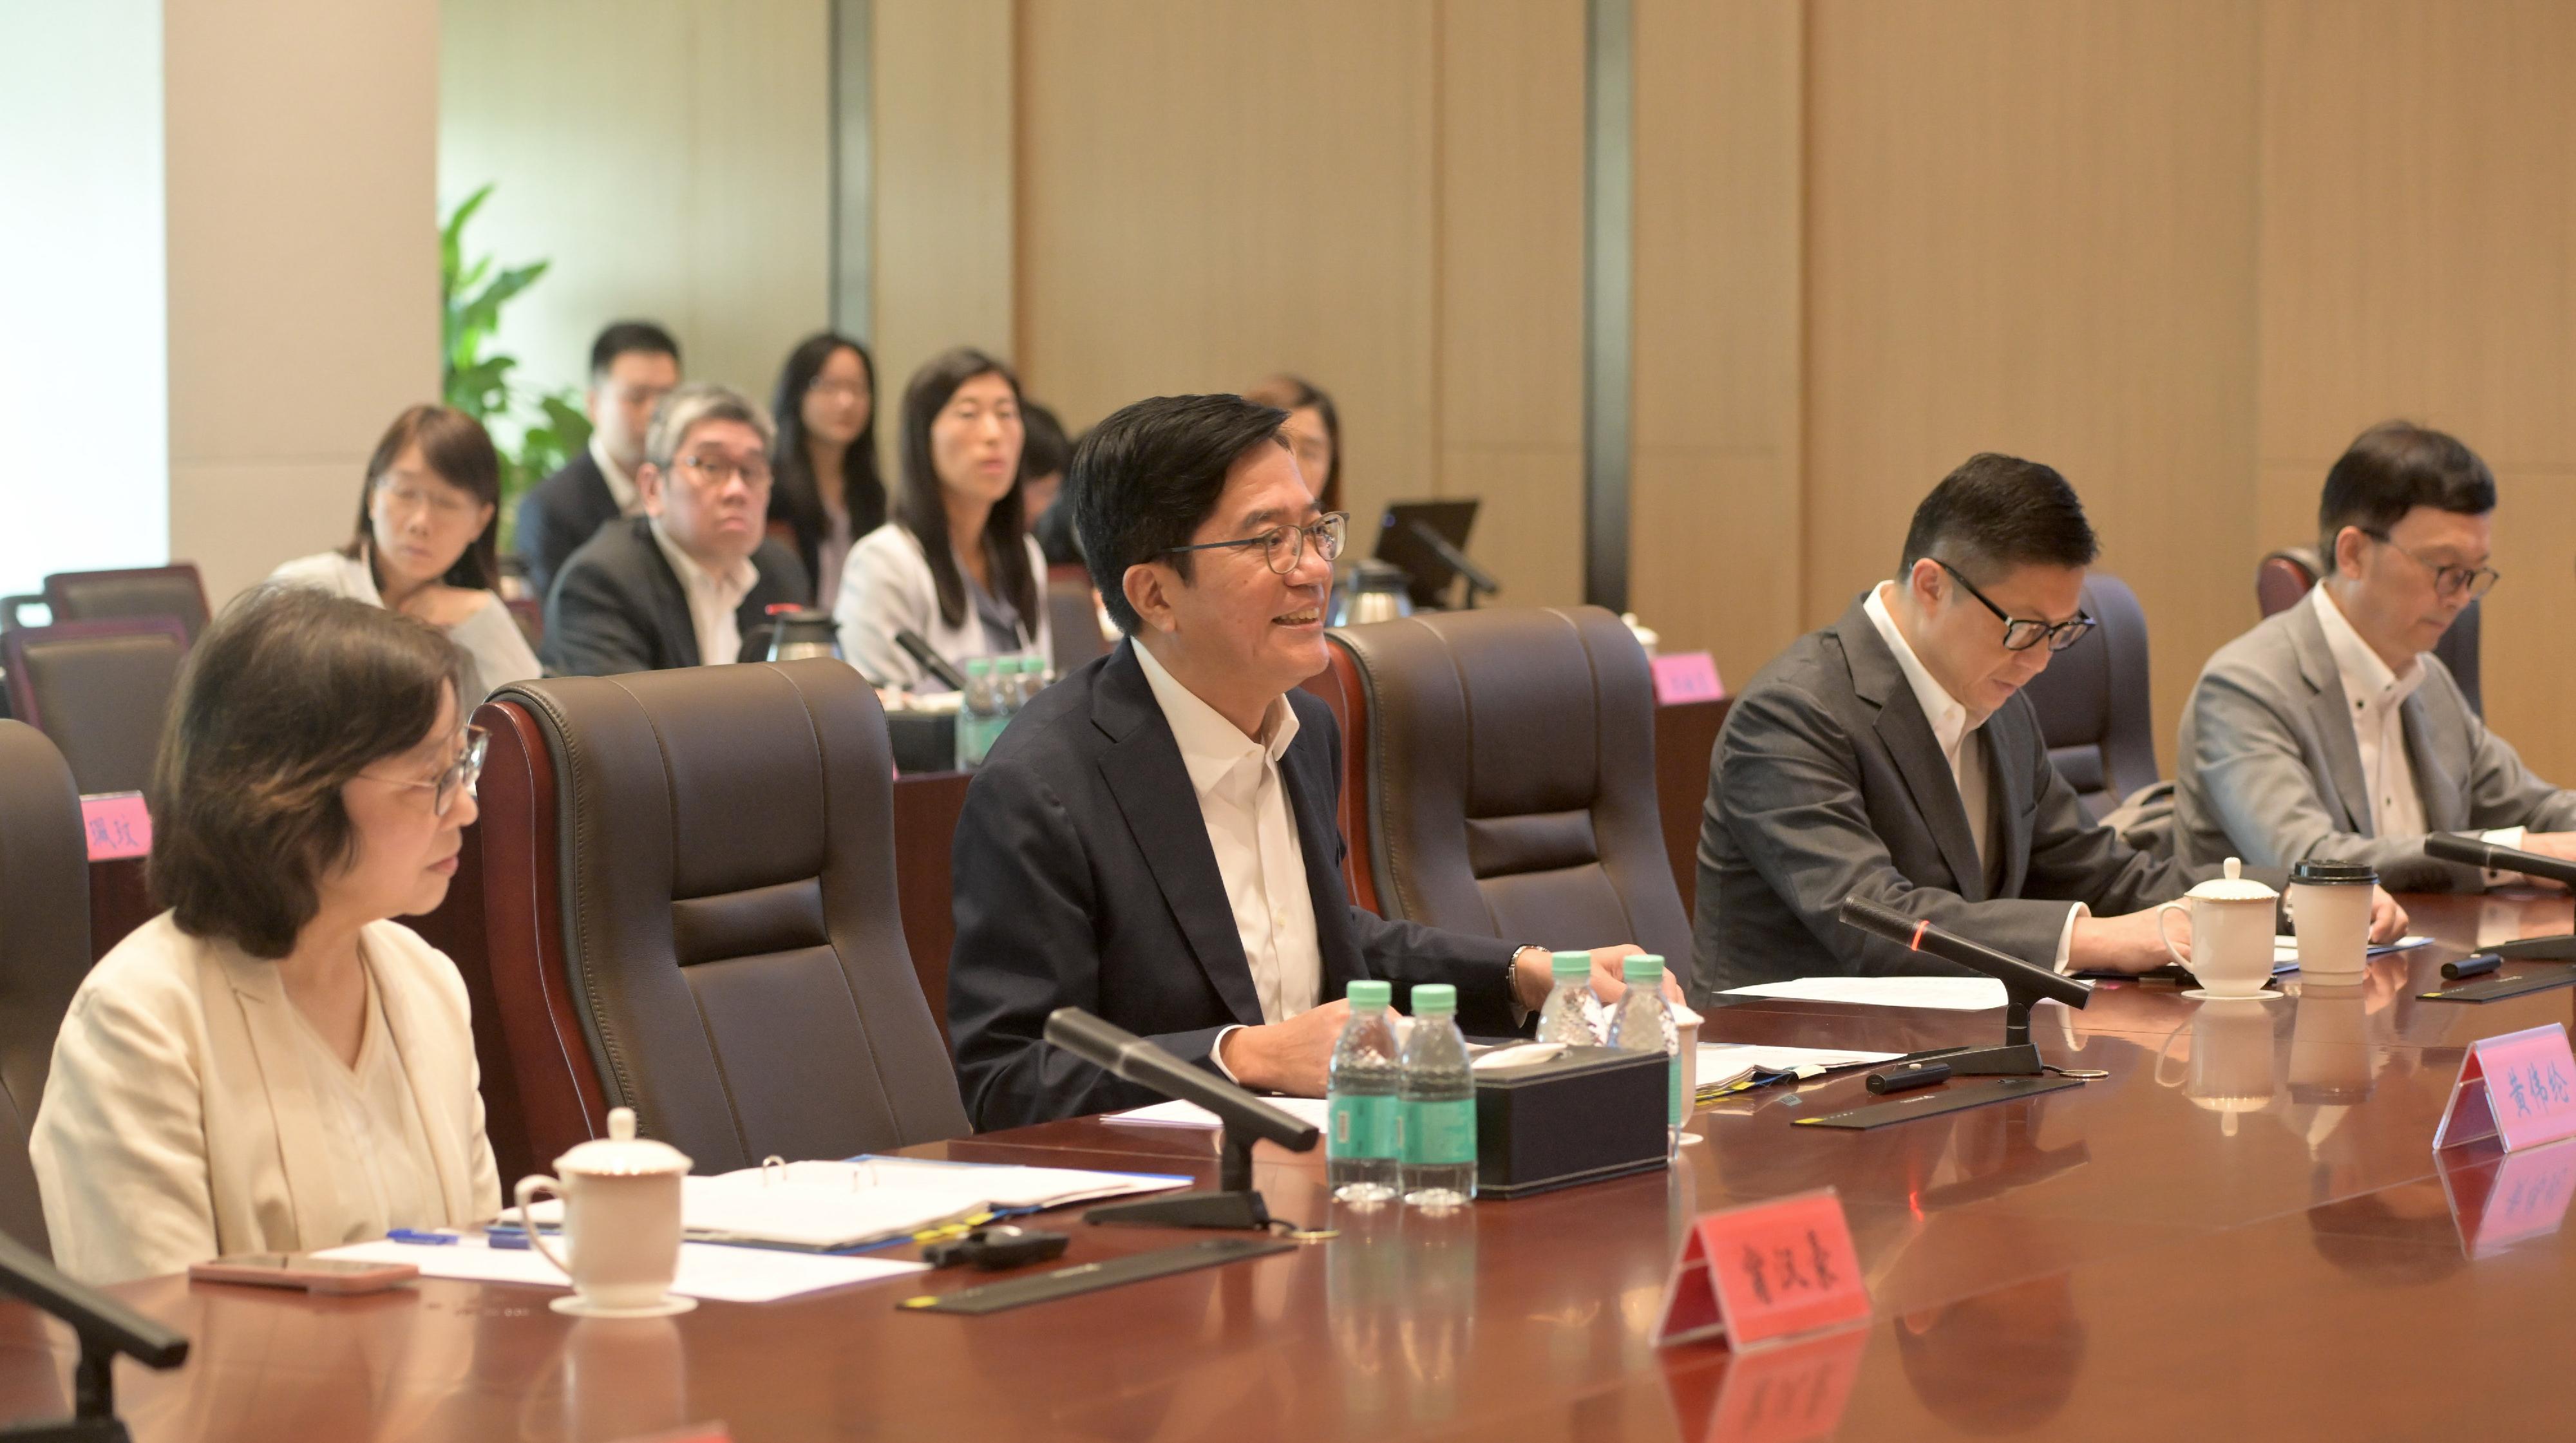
(1033, 678)
(1567, 1015)
(980, 716)
(1644, 1023)
(1436, 1118)
(1360, 1102)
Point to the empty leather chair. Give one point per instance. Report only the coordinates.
(44, 950)
(173, 591)
(2283, 579)
(1505, 777)
(690, 893)
(2093, 701)
(100, 689)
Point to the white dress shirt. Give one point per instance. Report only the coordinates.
(1953, 730)
(715, 601)
(386, 1180)
(621, 486)
(1244, 802)
(2378, 697)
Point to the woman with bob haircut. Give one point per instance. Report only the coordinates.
(956, 565)
(424, 543)
(272, 1065)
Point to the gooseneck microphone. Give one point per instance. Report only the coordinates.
(929, 660)
(106, 1327)
(2469, 851)
(1917, 935)
(1247, 1120)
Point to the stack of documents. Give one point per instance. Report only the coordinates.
(1955, 994)
(730, 1275)
(835, 1206)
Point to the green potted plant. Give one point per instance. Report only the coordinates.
(535, 431)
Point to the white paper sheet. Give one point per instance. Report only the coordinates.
(1952, 994)
(2285, 950)
(1728, 1059)
(1190, 1114)
(707, 1270)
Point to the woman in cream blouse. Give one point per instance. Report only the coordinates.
(273, 1065)
(424, 543)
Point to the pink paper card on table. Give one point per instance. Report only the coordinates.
(117, 826)
(1788, 1394)
(1687, 676)
(2520, 1087)
(2521, 1196)
(1765, 1271)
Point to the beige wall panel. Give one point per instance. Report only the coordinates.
(1714, 513)
(2419, 260)
(944, 137)
(670, 157)
(2032, 229)
(301, 143)
(1209, 193)
(1510, 275)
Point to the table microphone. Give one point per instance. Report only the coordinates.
(1123, 1054)
(2469, 851)
(1916, 935)
(929, 660)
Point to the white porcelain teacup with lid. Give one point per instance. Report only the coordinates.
(621, 1223)
(2232, 921)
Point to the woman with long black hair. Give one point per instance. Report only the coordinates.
(825, 491)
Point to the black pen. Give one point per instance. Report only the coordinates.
(2476, 966)
(1909, 1074)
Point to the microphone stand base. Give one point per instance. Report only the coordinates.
(1243, 1210)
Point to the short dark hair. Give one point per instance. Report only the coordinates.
(288, 694)
(460, 451)
(1142, 481)
(1295, 393)
(917, 504)
(1044, 450)
(623, 337)
(2391, 469)
(1996, 512)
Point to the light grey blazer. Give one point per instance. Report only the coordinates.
(2269, 769)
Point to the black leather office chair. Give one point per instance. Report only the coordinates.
(44, 950)
(690, 892)
(174, 591)
(100, 689)
(1506, 771)
(2283, 578)
(2093, 701)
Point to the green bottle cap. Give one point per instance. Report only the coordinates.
(1370, 994)
(1435, 999)
(1641, 967)
(1569, 965)
(979, 666)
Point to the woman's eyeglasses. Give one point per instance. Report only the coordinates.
(460, 775)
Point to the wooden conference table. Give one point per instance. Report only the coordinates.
(2244, 1229)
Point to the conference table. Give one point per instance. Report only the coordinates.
(2244, 1227)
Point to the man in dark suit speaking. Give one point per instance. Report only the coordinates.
(1153, 838)
(1892, 756)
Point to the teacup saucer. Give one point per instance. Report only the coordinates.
(577, 1306)
(2203, 995)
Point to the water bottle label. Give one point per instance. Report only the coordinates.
(1360, 1127)
(1678, 1106)
(1436, 1133)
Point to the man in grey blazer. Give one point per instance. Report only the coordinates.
(2331, 732)
(1892, 756)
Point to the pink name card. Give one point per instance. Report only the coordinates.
(1763, 1271)
(117, 826)
(2520, 1087)
(1687, 676)
(2522, 1196)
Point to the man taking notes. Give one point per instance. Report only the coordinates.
(2330, 732)
(1153, 838)
(1891, 756)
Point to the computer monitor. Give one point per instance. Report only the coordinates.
(1399, 544)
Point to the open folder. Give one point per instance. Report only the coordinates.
(836, 1206)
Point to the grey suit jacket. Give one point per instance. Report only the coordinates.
(2270, 771)
(1827, 784)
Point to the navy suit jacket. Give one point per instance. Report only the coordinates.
(558, 515)
(1084, 878)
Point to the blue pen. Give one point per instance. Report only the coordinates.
(424, 1239)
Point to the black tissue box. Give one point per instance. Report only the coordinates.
(1587, 1114)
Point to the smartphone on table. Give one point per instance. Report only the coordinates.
(303, 1270)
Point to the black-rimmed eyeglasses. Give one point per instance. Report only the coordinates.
(1284, 546)
(2021, 635)
(2449, 582)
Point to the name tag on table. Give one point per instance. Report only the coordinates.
(2524, 1196)
(1788, 1394)
(1765, 1271)
(2520, 1087)
(1688, 676)
(117, 826)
